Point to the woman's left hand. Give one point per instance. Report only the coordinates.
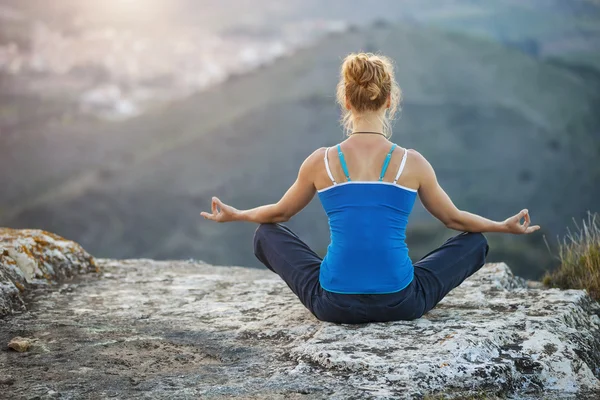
(514, 225)
(221, 212)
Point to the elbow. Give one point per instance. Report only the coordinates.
(287, 215)
(280, 217)
(454, 222)
(283, 218)
(453, 225)
(282, 214)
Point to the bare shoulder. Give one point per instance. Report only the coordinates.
(421, 168)
(318, 153)
(314, 159)
(317, 156)
(417, 160)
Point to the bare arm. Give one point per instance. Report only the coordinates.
(293, 201)
(439, 204)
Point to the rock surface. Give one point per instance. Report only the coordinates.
(176, 330)
(30, 258)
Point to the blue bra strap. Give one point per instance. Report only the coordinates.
(386, 162)
(343, 162)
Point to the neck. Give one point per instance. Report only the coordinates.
(367, 123)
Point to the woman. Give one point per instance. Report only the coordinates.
(367, 186)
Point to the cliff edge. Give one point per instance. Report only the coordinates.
(176, 329)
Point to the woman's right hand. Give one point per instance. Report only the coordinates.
(221, 212)
(514, 225)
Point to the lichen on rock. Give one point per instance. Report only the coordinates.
(20, 344)
(30, 257)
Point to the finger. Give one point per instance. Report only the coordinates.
(219, 204)
(527, 217)
(209, 216)
(521, 215)
(527, 222)
(213, 206)
(532, 229)
(516, 219)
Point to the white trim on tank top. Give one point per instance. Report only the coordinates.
(402, 164)
(368, 182)
(400, 169)
(327, 167)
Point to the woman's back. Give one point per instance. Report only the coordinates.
(367, 218)
(368, 187)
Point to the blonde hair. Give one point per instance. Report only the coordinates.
(367, 80)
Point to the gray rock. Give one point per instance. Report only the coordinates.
(177, 330)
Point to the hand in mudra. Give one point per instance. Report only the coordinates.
(514, 224)
(221, 212)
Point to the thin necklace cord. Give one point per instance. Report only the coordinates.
(377, 133)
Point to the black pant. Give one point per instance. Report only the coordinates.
(436, 274)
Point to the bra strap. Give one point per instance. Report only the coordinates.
(343, 162)
(402, 164)
(386, 162)
(327, 167)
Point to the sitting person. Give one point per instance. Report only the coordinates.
(368, 186)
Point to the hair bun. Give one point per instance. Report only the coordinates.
(367, 81)
(361, 70)
(368, 74)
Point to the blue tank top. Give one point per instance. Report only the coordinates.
(367, 221)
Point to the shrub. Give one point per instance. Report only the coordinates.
(579, 254)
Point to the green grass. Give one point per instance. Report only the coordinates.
(579, 253)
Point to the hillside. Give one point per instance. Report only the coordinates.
(503, 130)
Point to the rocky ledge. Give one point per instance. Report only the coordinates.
(179, 330)
(31, 258)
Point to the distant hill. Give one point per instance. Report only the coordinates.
(552, 29)
(503, 129)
